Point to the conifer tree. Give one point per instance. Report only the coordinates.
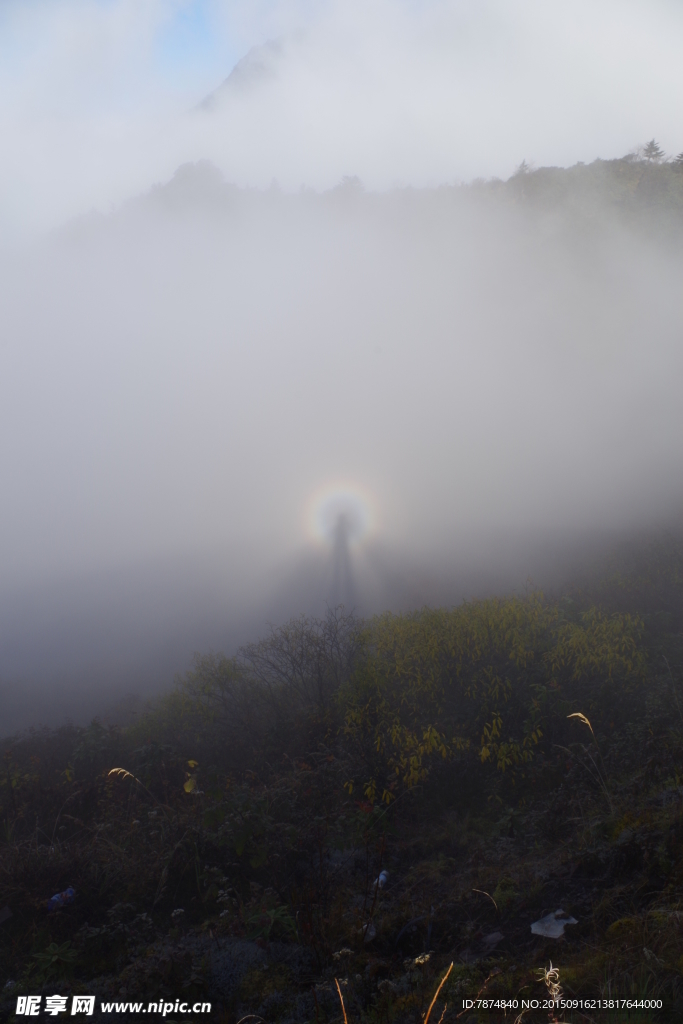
(653, 151)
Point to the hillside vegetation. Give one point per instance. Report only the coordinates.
(500, 760)
(641, 194)
(633, 187)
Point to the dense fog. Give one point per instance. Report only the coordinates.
(98, 100)
(224, 404)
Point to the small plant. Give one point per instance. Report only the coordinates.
(261, 924)
(55, 961)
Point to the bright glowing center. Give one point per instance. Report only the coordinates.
(340, 511)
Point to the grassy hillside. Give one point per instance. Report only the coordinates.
(500, 760)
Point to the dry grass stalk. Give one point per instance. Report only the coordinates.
(489, 896)
(602, 775)
(582, 718)
(122, 773)
(431, 1005)
(341, 1000)
(436, 995)
(551, 977)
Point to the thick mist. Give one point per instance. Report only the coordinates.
(99, 100)
(307, 367)
(187, 384)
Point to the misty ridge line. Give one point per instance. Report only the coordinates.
(645, 180)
